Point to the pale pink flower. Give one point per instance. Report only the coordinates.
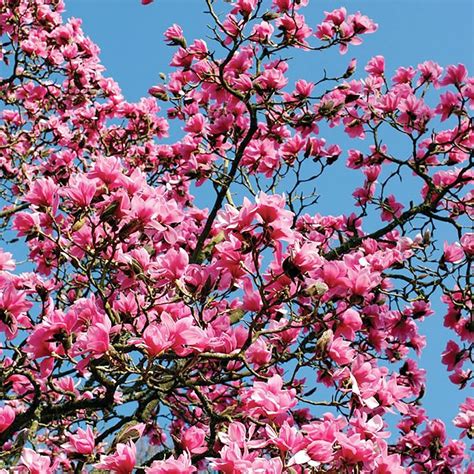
(193, 440)
(269, 398)
(453, 253)
(36, 463)
(172, 465)
(122, 461)
(465, 418)
(6, 261)
(82, 442)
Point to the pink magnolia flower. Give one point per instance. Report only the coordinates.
(108, 170)
(455, 75)
(287, 439)
(27, 223)
(97, 339)
(6, 261)
(172, 265)
(453, 253)
(182, 335)
(467, 243)
(81, 190)
(172, 465)
(285, 5)
(294, 28)
(449, 103)
(271, 80)
(122, 461)
(317, 452)
(82, 442)
(340, 351)
(7, 416)
(404, 75)
(415, 114)
(156, 339)
(355, 449)
(269, 398)
(430, 73)
(193, 440)
(174, 35)
(245, 7)
(35, 463)
(389, 464)
(391, 208)
(350, 323)
(453, 355)
(262, 32)
(44, 192)
(376, 66)
(465, 418)
(13, 307)
(252, 300)
(259, 352)
(303, 89)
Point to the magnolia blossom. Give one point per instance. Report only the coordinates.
(187, 302)
(122, 461)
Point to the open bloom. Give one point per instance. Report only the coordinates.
(82, 442)
(269, 398)
(7, 415)
(172, 465)
(122, 461)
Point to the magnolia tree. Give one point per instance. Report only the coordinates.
(146, 334)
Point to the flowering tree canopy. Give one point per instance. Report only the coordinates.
(256, 336)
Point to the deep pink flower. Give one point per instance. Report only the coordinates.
(430, 72)
(376, 66)
(44, 192)
(7, 416)
(340, 351)
(174, 35)
(452, 355)
(262, 32)
(455, 75)
(156, 339)
(391, 208)
(467, 243)
(252, 300)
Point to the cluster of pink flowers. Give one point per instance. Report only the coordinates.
(214, 337)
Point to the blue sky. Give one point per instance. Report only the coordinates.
(410, 32)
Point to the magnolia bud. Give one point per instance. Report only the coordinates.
(269, 16)
(350, 68)
(317, 289)
(324, 341)
(159, 92)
